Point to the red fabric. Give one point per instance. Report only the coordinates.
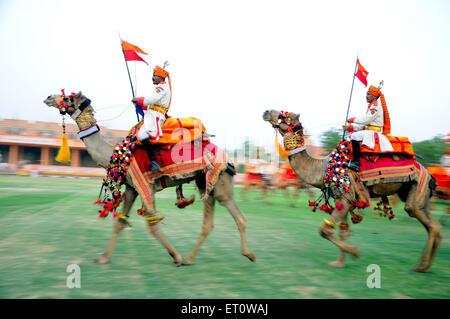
(361, 74)
(384, 162)
(256, 177)
(131, 55)
(177, 159)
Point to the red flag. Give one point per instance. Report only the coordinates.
(129, 50)
(361, 74)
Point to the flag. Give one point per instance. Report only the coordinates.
(129, 51)
(361, 73)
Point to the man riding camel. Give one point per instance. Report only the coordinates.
(155, 109)
(371, 127)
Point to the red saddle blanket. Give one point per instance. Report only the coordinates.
(177, 161)
(387, 170)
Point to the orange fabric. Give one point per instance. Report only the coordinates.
(128, 46)
(160, 72)
(401, 145)
(387, 119)
(362, 69)
(176, 130)
(374, 91)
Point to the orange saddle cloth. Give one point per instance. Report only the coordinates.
(177, 130)
(401, 145)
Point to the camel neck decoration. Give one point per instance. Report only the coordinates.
(415, 190)
(101, 151)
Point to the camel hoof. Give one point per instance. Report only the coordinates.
(421, 268)
(101, 260)
(336, 264)
(187, 262)
(353, 250)
(250, 256)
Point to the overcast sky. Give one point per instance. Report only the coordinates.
(231, 60)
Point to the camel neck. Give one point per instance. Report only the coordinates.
(99, 150)
(308, 169)
(86, 119)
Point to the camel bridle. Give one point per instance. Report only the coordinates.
(66, 102)
(293, 138)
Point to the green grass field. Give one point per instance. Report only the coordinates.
(50, 223)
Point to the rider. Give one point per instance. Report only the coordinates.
(155, 109)
(371, 127)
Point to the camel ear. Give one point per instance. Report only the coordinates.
(296, 118)
(79, 94)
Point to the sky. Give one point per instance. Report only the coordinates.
(232, 60)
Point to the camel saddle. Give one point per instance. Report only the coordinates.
(177, 130)
(401, 145)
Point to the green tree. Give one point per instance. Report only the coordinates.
(431, 150)
(329, 139)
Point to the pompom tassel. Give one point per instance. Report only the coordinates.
(64, 152)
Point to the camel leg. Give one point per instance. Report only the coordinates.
(224, 193)
(130, 197)
(295, 194)
(208, 225)
(244, 192)
(326, 231)
(241, 222)
(432, 227)
(344, 233)
(156, 232)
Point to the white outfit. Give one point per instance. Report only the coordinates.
(154, 120)
(373, 117)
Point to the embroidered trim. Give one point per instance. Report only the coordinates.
(297, 150)
(89, 131)
(75, 114)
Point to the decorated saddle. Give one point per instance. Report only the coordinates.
(401, 145)
(356, 186)
(179, 161)
(176, 130)
(182, 153)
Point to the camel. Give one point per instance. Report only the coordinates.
(283, 181)
(312, 171)
(257, 180)
(101, 151)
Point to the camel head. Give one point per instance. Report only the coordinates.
(68, 104)
(281, 119)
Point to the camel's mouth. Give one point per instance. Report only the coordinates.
(50, 101)
(268, 117)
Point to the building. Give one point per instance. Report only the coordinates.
(37, 143)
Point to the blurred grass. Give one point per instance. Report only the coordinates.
(50, 223)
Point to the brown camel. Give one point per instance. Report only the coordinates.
(312, 172)
(256, 180)
(283, 181)
(101, 151)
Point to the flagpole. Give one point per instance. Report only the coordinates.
(128, 70)
(350, 100)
